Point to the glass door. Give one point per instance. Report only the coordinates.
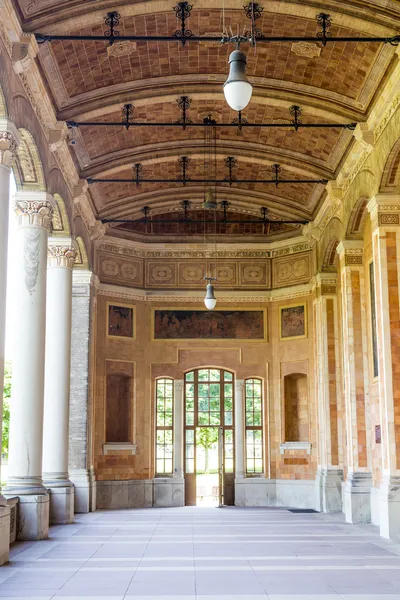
(209, 437)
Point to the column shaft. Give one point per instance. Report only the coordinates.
(356, 500)
(26, 426)
(57, 380)
(8, 147)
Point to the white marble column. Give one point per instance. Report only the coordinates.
(8, 148)
(178, 429)
(356, 498)
(385, 218)
(329, 475)
(61, 256)
(239, 430)
(34, 211)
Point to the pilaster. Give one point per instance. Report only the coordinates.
(385, 216)
(81, 472)
(329, 474)
(356, 501)
(240, 470)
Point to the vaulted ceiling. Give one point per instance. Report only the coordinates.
(92, 81)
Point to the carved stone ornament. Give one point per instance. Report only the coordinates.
(34, 213)
(61, 256)
(8, 148)
(119, 49)
(307, 49)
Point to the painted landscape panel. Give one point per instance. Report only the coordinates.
(207, 325)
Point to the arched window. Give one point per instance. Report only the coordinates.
(254, 427)
(164, 426)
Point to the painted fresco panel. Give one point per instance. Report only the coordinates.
(203, 324)
(293, 322)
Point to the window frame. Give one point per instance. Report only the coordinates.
(248, 428)
(163, 428)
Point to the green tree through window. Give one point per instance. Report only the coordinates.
(254, 427)
(164, 426)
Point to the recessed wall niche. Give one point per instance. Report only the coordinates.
(119, 402)
(295, 402)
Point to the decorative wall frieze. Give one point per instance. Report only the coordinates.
(60, 253)
(33, 209)
(9, 140)
(384, 210)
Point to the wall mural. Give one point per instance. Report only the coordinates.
(293, 321)
(203, 324)
(120, 321)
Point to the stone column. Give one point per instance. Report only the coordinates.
(239, 430)
(329, 475)
(60, 261)
(385, 217)
(81, 471)
(356, 501)
(178, 429)
(26, 427)
(8, 148)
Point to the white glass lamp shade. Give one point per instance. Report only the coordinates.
(210, 300)
(237, 88)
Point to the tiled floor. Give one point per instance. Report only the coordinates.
(206, 554)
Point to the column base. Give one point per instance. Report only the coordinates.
(4, 534)
(329, 490)
(84, 490)
(61, 505)
(389, 508)
(33, 517)
(356, 498)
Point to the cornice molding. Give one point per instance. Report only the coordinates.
(140, 250)
(191, 297)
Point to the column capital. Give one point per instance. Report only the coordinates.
(60, 253)
(9, 140)
(351, 253)
(324, 284)
(384, 210)
(33, 209)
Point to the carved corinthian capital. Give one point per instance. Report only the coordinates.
(33, 213)
(8, 146)
(60, 255)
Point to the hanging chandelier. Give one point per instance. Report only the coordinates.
(237, 88)
(210, 199)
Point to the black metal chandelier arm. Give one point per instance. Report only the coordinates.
(188, 123)
(43, 37)
(197, 221)
(185, 180)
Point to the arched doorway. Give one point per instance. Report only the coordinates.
(209, 437)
